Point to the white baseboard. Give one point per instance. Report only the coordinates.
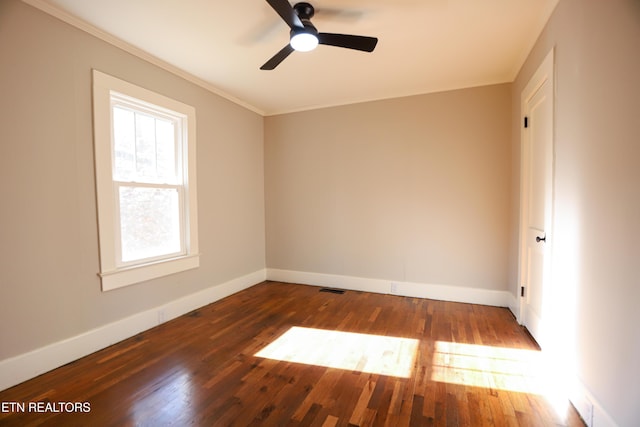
(514, 306)
(408, 289)
(589, 408)
(29, 365)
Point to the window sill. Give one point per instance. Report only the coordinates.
(122, 277)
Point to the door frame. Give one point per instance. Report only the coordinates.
(544, 73)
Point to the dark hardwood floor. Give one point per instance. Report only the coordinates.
(289, 355)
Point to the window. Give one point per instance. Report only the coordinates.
(145, 178)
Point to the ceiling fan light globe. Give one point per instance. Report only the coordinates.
(304, 42)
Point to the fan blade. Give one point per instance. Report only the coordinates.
(349, 41)
(277, 58)
(286, 12)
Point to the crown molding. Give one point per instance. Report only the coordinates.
(55, 11)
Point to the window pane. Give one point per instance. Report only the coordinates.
(145, 146)
(124, 144)
(166, 151)
(149, 222)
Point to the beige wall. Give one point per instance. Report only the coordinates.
(421, 189)
(49, 290)
(412, 189)
(597, 196)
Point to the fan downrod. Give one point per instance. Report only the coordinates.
(304, 10)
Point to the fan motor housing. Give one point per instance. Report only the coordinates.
(308, 29)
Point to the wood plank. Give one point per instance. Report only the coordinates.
(203, 368)
(358, 414)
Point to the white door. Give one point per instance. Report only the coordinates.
(537, 192)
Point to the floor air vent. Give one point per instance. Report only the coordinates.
(333, 291)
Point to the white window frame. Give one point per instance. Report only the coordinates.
(107, 91)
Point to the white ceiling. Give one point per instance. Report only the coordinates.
(424, 45)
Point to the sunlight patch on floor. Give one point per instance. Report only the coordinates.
(501, 368)
(375, 354)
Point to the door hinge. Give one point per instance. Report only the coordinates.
(521, 291)
(526, 122)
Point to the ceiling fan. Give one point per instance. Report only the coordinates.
(304, 37)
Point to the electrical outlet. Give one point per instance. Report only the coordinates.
(394, 288)
(585, 409)
(589, 414)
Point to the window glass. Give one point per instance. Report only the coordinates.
(149, 222)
